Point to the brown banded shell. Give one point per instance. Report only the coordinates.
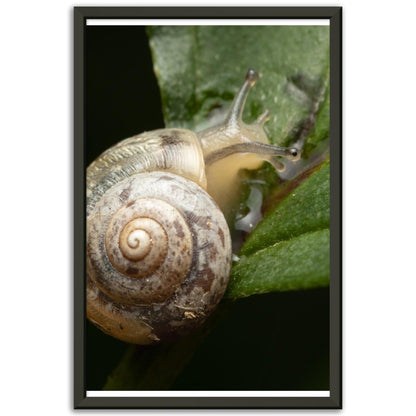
(158, 257)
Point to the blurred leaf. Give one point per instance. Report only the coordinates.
(156, 367)
(152, 367)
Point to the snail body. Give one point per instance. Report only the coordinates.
(158, 245)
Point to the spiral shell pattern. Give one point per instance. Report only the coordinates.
(158, 257)
(149, 243)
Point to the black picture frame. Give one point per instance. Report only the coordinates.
(334, 401)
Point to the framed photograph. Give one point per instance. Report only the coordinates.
(207, 185)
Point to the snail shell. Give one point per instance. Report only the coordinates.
(158, 246)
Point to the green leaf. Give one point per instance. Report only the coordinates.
(200, 68)
(289, 249)
(304, 209)
(299, 263)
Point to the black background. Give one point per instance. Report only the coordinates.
(277, 341)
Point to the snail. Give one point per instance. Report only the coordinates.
(158, 245)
